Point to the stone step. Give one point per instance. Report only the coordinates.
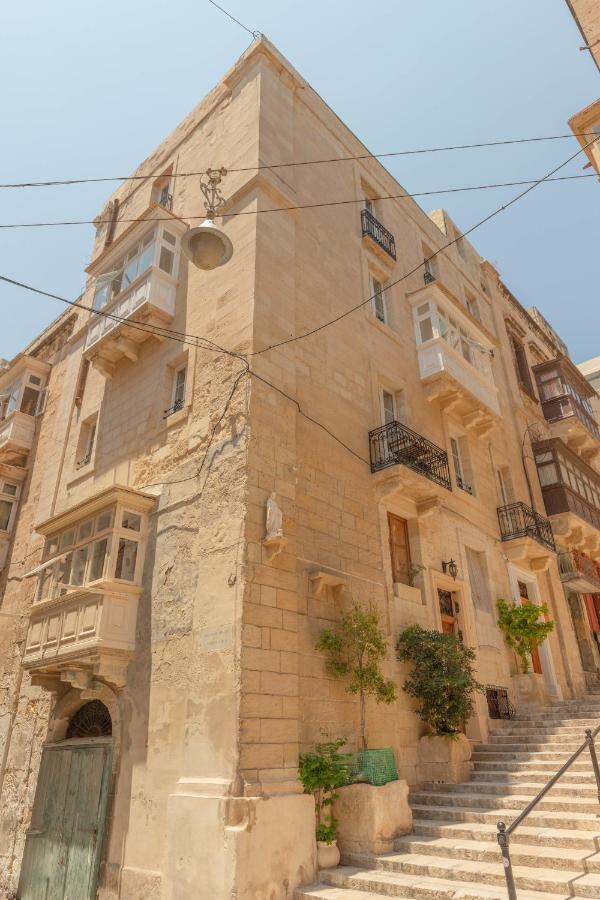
(518, 742)
(534, 776)
(570, 839)
(479, 799)
(398, 884)
(534, 878)
(538, 818)
(540, 765)
(493, 753)
(509, 788)
(587, 886)
(574, 859)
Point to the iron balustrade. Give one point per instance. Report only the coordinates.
(84, 461)
(505, 831)
(499, 706)
(464, 485)
(395, 444)
(173, 409)
(571, 563)
(428, 277)
(518, 520)
(166, 200)
(372, 228)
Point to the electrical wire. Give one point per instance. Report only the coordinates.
(416, 268)
(308, 162)
(276, 209)
(255, 34)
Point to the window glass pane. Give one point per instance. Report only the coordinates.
(126, 558)
(548, 474)
(51, 548)
(166, 260)
(543, 457)
(131, 520)
(104, 520)
(146, 258)
(44, 583)
(79, 562)
(130, 273)
(8, 488)
(85, 530)
(98, 557)
(423, 309)
(5, 511)
(67, 539)
(101, 296)
(169, 238)
(64, 570)
(29, 400)
(426, 330)
(389, 413)
(179, 387)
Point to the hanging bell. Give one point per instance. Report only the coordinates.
(207, 246)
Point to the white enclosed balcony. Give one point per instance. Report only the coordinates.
(455, 353)
(83, 620)
(22, 398)
(135, 280)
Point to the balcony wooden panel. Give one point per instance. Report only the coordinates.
(565, 396)
(16, 438)
(149, 302)
(87, 631)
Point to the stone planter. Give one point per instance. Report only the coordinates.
(371, 817)
(445, 760)
(328, 855)
(530, 690)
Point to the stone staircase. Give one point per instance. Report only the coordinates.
(452, 853)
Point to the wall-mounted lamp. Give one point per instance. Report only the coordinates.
(207, 246)
(450, 568)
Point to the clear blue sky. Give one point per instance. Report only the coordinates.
(91, 89)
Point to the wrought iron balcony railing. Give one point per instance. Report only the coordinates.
(428, 277)
(395, 444)
(464, 485)
(173, 409)
(372, 228)
(574, 566)
(166, 200)
(519, 520)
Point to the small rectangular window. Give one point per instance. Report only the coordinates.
(6, 508)
(85, 530)
(388, 406)
(132, 521)
(402, 571)
(79, 563)
(378, 294)
(67, 538)
(126, 560)
(461, 464)
(104, 520)
(166, 260)
(10, 489)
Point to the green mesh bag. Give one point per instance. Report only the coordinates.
(374, 767)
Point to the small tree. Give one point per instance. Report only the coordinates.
(524, 629)
(322, 771)
(442, 677)
(356, 650)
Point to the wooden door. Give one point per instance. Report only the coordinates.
(535, 654)
(580, 627)
(64, 841)
(448, 611)
(399, 549)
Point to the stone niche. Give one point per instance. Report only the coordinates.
(371, 817)
(444, 760)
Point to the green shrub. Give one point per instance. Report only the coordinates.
(442, 678)
(523, 627)
(355, 650)
(321, 771)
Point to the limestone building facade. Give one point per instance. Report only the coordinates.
(198, 473)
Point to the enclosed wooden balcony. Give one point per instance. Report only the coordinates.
(527, 534)
(579, 572)
(455, 352)
(571, 491)
(565, 396)
(409, 464)
(83, 619)
(135, 285)
(22, 399)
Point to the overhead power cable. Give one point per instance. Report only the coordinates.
(299, 207)
(255, 34)
(308, 162)
(432, 255)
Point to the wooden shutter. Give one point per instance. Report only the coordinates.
(399, 548)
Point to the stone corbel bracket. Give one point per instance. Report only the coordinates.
(320, 580)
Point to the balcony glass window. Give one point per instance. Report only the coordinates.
(24, 394)
(99, 548)
(6, 508)
(157, 243)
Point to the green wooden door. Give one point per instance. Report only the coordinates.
(64, 841)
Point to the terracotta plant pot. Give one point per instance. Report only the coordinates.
(328, 855)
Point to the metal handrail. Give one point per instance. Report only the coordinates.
(505, 831)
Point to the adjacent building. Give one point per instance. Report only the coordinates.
(586, 123)
(200, 469)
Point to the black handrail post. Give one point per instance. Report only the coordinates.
(503, 841)
(590, 742)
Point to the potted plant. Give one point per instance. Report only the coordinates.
(525, 626)
(355, 651)
(321, 771)
(442, 680)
